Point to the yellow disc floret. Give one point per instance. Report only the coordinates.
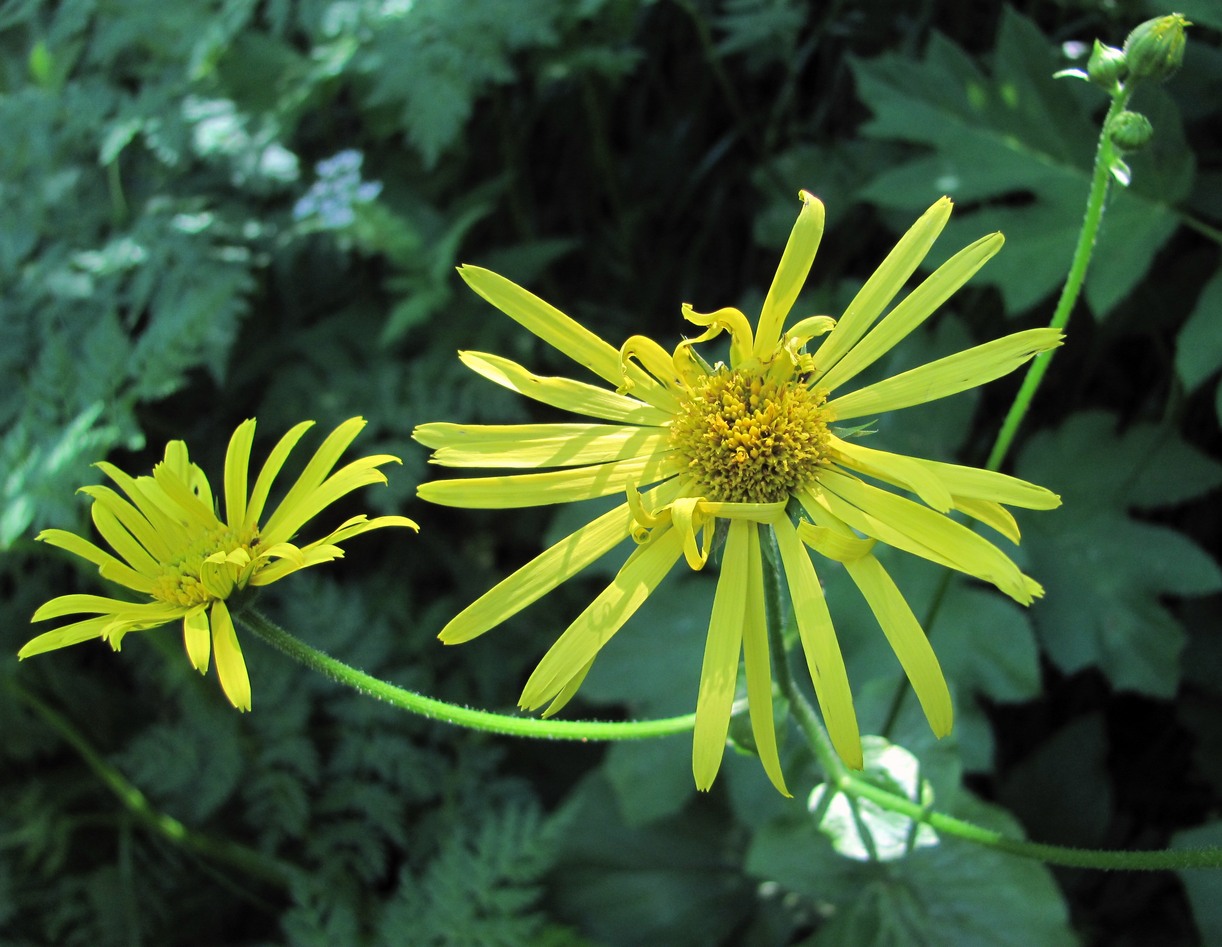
(749, 439)
(182, 581)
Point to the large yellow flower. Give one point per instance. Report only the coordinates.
(694, 445)
(175, 550)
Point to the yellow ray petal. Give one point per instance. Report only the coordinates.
(564, 334)
(295, 508)
(81, 604)
(790, 275)
(127, 530)
(557, 486)
(237, 472)
(108, 566)
(978, 484)
(895, 469)
(882, 286)
(991, 514)
(719, 670)
(603, 617)
(564, 393)
(819, 644)
(918, 306)
(568, 692)
(197, 637)
(298, 510)
(537, 445)
(65, 636)
(906, 525)
(759, 666)
(946, 376)
(907, 640)
(270, 470)
(230, 666)
(548, 570)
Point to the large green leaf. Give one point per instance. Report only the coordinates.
(1016, 146)
(953, 893)
(1104, 572)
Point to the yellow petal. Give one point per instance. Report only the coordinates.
(946, 376)
(906, 525)
(564, 334)
(907, 640)
(819, 644)
(568, 692)
(564, 393)
(237, 472)
(548, 570)
(128, 532)
(556, 486)
(299, 508)
(197, 638)
(991, 514)
(537, 445)
(918, 306)
(719, 670)
(882, 286)
(108, 566)
(896, 469)
(978, 484)
(271, 469)
(81, 604)
(603, 617)
(301, 503)
(759, 667)
(790, 275)
(65, 636)
(230, 666)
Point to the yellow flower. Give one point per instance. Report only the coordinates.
(694, 446)
(175, 550)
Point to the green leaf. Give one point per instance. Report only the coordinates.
(1104, 573)
(1016, 144)
(954, 893)
(1198, 347)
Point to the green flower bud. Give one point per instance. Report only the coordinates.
(1106, 66)
(1130, 131)
(1155, 49)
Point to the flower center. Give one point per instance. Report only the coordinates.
(182, 580)
(751, 440)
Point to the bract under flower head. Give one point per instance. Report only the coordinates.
(692, 445)
(173, 547)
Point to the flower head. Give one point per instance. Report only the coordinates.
(175, 550)
(695, 446)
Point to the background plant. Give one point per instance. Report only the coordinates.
(194, 233)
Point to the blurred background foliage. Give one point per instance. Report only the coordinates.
(234, 208)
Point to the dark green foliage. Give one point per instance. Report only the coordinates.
(227, 209)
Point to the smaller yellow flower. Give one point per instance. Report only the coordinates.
(189, 562)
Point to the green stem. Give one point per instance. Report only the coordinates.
(253, 863)
(1165, 859)
(1105, 153)
(451, 713)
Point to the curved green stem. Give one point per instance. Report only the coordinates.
(452, 713)
(1105, 153)
(253, 863)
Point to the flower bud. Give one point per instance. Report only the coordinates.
(1155, 49)
(1130, 131)
(1106, 66)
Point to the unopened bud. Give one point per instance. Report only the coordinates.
(1155, 49)
(1106, 66)
(1130, 131)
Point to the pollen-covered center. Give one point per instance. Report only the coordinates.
(182, 582)
(751, 440)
